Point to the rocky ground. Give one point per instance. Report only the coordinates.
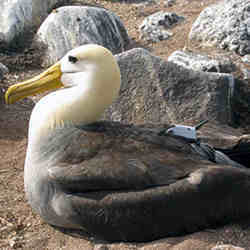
(20, 228)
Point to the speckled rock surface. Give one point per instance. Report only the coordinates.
(3, 70)
(169, 3)
(154, 90)
(17, 17)
(154, 27)
(246, 59)
(72, 26)
(246, 72)
(200, 62)
(145, 3)
(225, 25)
(227, 247)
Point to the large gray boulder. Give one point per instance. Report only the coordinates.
(201, 62)
(18, 17)
(72, 26)
(225, 25)
(154, 90)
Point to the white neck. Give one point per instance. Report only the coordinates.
(78, 105)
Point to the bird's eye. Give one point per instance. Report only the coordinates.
(73, 59)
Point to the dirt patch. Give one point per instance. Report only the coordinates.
(20, 228)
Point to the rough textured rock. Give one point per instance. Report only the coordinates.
(225, 25)
(154, 27)
(3, 70)
(154, 90)
(246, 59)
(100, 247)
(18, 17)
(242, 103)
(72, 26)
(169, 3)
(246, 72)
(201, 62)
(143, 4)
(227, 247)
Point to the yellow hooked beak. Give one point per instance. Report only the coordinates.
(48, 80)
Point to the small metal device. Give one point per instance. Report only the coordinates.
(188, 132)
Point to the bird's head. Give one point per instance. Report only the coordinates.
(91, 66)
(89, 78)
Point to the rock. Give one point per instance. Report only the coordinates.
(72, 26)
(225, 25)
(246, 72)
(242, 103)
(169, 3)
(246, 59)
(154, 90)
(3, 70)
(199, 62)
(100, 247)
(122, 246)
(226, 247)
(145, 3)
(19, 17)
(153, 28)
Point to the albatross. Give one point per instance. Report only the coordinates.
(113, 181)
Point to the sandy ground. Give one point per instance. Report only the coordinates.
(20, 228)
